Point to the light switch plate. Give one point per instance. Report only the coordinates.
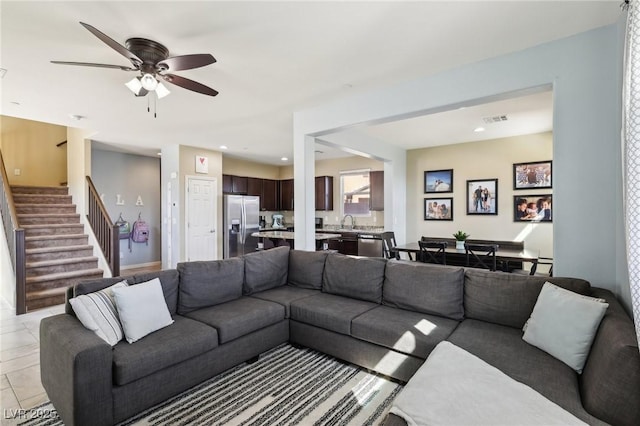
(17, 172)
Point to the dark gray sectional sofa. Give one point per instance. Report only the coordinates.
(383, 315)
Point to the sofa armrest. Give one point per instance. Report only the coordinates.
(610, 381)
(76, 371)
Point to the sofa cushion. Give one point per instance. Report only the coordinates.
(508, 299)
(265, 269)
(504, 348)
(360, 278)
(610, 380)
(285, 295)
(185, 339)
(306, 268)
(412, 333)
(564, 324)
(208, 283)
(239, 317)
(429, 289)
(329, 311)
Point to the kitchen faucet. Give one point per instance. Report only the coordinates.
(353, 221)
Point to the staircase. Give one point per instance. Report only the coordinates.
(57, 251)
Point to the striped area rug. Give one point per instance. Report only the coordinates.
(286, 386)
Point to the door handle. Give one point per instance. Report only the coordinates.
(212, 231)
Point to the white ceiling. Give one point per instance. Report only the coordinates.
(274, 58)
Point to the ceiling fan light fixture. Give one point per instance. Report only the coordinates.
(162, 91)
(149, 82)
(134, 85)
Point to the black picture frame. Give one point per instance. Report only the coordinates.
(483, 203)
(438, 181)
(533, 175)
(538, 209)
(438, 208)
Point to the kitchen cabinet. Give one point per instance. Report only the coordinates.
(346, 244)
(286, 194)
(269, 195)
(234, 184)
(254, 186)
(324, 193)
(376, 182)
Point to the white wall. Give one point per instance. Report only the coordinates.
(585, 72)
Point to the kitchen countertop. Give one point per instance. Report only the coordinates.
(288, 235)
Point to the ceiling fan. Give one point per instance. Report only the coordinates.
(152, 60)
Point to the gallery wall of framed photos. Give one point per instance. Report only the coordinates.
(478, 187)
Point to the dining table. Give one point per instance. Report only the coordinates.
(503, 255)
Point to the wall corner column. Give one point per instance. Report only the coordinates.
(304, 190)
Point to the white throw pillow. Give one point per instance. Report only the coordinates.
(142, 309)
(564, 324)
(98, 313)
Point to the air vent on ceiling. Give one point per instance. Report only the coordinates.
(495, 119)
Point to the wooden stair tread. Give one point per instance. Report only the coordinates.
(43, 294)
(43, 215)
(55, 262)
(57, 249)
(54, 237)
(69, 274)
(52, 225)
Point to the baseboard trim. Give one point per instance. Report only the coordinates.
(141, 265)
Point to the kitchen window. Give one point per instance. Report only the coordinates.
(355, 192)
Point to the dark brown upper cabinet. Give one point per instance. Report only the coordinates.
(234, 184)
(376, 182)
(286, 194)
(269, 197)
(324, 193)
(254, 186)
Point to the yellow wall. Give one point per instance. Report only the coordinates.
(237, 167)
(31, 147)
(479, 160)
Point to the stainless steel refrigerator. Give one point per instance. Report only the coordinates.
(241, 219)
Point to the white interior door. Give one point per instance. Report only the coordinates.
(201, 242)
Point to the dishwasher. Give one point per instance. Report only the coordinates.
(370, 245)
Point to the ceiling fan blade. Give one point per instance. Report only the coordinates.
(188, 84)
(90, 64)
(114, 45)
(186, 62)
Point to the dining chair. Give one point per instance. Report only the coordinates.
(534, 268)
(481, 256)
(433, 252)
(388, 243)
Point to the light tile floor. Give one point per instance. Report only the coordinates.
(20, 385)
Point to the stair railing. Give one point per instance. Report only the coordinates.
(105, 231)
(15, 240)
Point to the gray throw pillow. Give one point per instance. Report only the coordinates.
(358, 278)
(264, 270)
(306, 268)
(429, 289)
(208, 283)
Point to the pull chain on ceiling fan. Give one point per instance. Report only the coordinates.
(152, 60)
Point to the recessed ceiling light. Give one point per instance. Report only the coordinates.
(159, 153)
(284, 159)
(478, 129)
(77, 117)
(224, 147)
(2, 72)
(15, 103)
(319, 152)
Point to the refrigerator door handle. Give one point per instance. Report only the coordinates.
(243, 223)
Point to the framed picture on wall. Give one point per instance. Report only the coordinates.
(532, 175)
(438, 209)
(532, 208)
(482, 196)
(440, 181)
